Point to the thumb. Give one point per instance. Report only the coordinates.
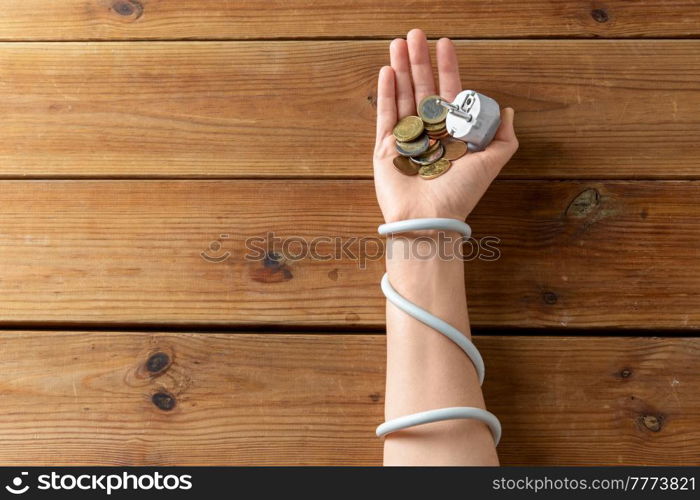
(503, 146)
(506, 132)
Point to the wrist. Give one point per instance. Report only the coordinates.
(424, 247)
(426, 267)
(422, 213)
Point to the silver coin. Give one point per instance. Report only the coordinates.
(431, 158)
(413, 148)
(430, 110)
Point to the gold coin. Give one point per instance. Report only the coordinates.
(408, 129)
(438, 134)
(430, 109)
(455, 149)
(441, 135)
(405, 166)
(437, 126)
(435, 169)
(413, 148)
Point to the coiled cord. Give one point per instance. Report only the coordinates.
(441, 326)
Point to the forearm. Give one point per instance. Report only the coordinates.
(426, 370)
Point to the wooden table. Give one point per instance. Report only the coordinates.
(137, 135)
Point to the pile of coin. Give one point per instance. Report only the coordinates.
(423, 143)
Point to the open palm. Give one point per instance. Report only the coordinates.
(400, 87)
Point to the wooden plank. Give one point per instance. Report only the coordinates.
(560, 254)
(72, 398)
(214, 19)
(586, 109)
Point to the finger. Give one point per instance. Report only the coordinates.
(398, 51)
(421, 68)
(386, 103)
(503, 147)
(448, 69)
(506, 132)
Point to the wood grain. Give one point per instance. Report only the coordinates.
(585, 109)
(552, 254)
(214, 19)
(86, 398)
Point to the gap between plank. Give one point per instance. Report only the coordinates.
(337, 330)
(343, 39)
(689, 178)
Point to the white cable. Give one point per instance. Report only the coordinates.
(436, 323)
(456, 412)
(442, 327)
(403, 226)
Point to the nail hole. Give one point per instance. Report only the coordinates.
(157, 362)
(599, 15)
(128, 8)
(163, 400)
(549, 298)
(652, 422)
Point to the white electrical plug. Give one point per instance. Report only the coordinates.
(473, 118)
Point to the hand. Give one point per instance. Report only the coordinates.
(400, 87)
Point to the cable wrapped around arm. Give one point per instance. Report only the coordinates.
(442, 327)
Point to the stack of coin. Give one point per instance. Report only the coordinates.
(423, 142)
(433, 115)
